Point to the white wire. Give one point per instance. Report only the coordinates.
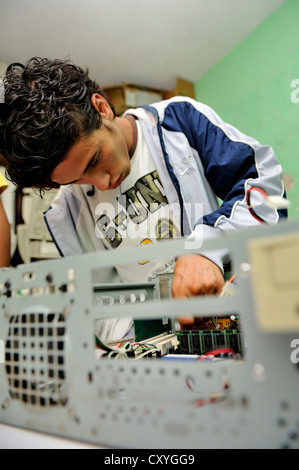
(142, 355)
(121, 352)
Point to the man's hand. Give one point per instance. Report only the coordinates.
(195, 275)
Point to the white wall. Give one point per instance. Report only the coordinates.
(3, 66)
(8, 200)
(8, 196)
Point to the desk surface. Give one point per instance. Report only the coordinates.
(16, 438)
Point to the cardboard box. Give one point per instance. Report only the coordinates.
(129, 95)
(183, 88)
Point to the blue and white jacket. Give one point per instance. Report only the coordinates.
(199, 159)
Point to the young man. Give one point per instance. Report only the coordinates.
(156, 172)
(4, 230)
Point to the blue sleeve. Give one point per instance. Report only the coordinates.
(232, 162)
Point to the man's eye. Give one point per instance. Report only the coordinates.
(95, 161)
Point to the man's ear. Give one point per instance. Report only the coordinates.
(102, 106)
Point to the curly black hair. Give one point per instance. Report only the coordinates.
(47, 109)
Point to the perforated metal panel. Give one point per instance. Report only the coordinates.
(52, 380)
(34, 358)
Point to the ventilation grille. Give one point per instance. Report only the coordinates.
(34, 358)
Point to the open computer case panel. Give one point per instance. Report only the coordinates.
(232, 383)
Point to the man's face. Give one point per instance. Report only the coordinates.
(101, 159)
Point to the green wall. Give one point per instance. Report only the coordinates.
(251, 89)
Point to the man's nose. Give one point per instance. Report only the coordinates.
(100, 181)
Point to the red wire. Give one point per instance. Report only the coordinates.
(215, 352)
(254, 188)
(248, 202)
